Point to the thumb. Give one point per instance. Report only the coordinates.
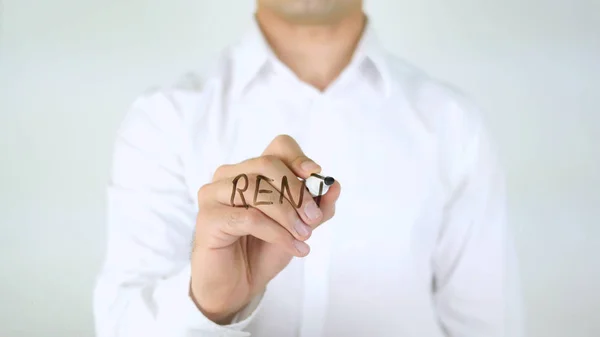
(289, 152)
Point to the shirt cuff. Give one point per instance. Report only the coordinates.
(177, 312)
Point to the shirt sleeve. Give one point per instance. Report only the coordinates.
(476, 288)
(143, 288)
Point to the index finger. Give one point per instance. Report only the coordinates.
(289, 152)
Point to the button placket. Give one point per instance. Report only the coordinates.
(316, 264)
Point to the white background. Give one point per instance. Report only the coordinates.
(70, 68)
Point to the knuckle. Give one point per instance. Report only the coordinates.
(239, 218)
(252, 216)
(233, 220)
(299, 159)
(203, 192)
(220, 171)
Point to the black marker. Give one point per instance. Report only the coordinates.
(318, 185)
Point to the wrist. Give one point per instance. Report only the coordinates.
(221, 317)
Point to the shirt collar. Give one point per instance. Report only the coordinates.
(371, 50)
(253, 53)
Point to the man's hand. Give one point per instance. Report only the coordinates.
(238, 250)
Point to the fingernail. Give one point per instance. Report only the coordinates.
(310, 166)
(301, 228)
(302, 247)
(312, 211)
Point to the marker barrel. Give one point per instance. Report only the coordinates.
(314, 183)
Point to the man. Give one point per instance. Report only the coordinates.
(208, 228)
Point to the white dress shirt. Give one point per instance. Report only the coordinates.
(419, 244)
